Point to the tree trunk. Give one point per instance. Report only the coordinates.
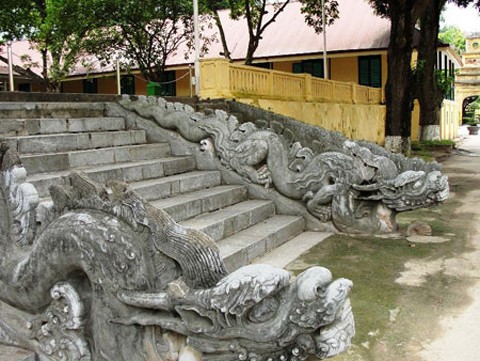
(429, 96)
(218, 22)
(252, 46)
(399, 86)
(46, 78)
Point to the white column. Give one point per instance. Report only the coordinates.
(10, 66)
(197, 48)
(119, 83)
(325, 68)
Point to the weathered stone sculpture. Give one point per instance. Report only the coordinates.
(99, 274)
(359, 188)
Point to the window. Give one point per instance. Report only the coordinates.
(313, 67)
(265, 65)
(90, 86)
(127, 84)
(370, 71)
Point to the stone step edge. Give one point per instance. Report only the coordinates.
(291, 250)
(243, 247)
(189, 205)
(230, 220)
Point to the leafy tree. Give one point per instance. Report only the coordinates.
(313, 13)
(143, 34)
(55, 27)
(454, 36)
(432, 85)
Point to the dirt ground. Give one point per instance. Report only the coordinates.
(459, 333)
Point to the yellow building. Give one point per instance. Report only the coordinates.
(356, 54)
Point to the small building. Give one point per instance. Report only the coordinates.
(467, 81)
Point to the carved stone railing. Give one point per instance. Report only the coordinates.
(99, 274)
(357, 187)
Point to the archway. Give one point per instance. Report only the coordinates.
(470, 105)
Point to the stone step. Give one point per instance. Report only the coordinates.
(243, 247)
(36, 126)
(189, 205)
(154, 189)
(20, 110)
(52, 162)
(64, 142)
(127, 172)
(292, 249)
(227, 221)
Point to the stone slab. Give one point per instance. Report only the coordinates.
(192, 204)
(129, 171)
(291, 250)
(243, 247)
(169, 186)
(229, 220)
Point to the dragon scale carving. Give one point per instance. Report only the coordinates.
(99, 274)
(357, 186)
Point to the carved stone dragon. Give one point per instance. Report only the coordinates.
(99, 274)
(358, 188)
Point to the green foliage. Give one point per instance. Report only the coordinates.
(472, 113)
(443, 81)
(453, 36)
(313, 13)
(16, 18)
(143, 34)
(55, 27)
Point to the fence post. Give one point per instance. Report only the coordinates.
(271, 88)
(223, 77)
(307, 93)
(354, 93)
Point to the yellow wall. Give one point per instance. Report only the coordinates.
(183, 84)
(285, 66)
(356, 121)
(74, 86)
(107, 85)
(140, 85)
(344, 69)
(450, 119)
(415, 132)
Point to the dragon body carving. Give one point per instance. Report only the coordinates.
(99, 274)
(358, 188)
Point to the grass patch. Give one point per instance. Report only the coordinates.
(429, 150)
(373, 264)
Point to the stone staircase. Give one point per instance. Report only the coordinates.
(54, 138)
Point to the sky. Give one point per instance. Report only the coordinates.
(467, 19)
